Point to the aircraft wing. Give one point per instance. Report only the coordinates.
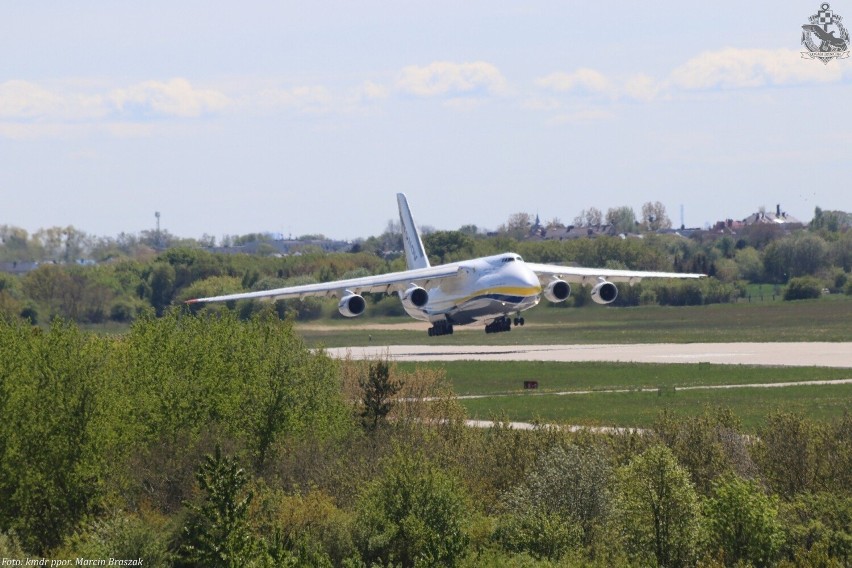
(579, 275)
(382, 283)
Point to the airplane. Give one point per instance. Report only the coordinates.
(487, 290)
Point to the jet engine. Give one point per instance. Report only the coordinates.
(415, 297)
(351, 305)
(557, 291)
(604, 292)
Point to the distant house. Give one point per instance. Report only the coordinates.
(283, 247)
(571, 232)
(778, 218)
(18, 267)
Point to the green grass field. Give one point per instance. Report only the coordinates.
(501, 383)
(825, 319)
(499, 377)
(646, 389)
(639, 409)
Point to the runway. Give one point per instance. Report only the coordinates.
(768, 354)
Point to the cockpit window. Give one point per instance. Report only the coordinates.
(508, 259)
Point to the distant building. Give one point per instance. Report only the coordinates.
(282, 247)
(18, 267)
(779, 217)
(571, 232)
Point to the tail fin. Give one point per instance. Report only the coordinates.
(415, 255)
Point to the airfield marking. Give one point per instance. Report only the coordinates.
(810, 354)
(819, 382)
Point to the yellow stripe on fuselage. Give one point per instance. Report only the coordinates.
(526, 292)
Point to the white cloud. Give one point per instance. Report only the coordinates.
(582, 80)
(445, 78)
(372, 91)
(176, 97)
(733, 68)
(728, 68)
(642, 88)
(25, 101)
(22, 101)
(303, 98)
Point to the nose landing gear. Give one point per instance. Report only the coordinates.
(502, 324)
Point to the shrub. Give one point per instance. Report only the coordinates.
(743, 522)
(412, 513)
(803, 288)
(657, 509)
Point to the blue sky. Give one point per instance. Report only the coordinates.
(307, 117)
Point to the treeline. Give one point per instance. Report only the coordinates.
(132, 277)
(212, 441)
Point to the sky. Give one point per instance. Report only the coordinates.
(308, 117)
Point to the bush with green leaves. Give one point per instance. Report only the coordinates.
(818, 525)
(787, 451)
(57, 428)
(743, 522)
(122, 535)
(803, 288)
(709, 445)
(657, 510)
(217, 533)
(569, 486)
(414, 514)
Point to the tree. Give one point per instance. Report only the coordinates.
(810, 255)
(591, 217)
(412, 515)
(558, 504)
(657, 509)
(161, 284)
(818, 524)
(743, 522)
(449, 245)
(377, 390)
(518, 225)
(804, 288)
(63, 243)
(778, 260)
(749, 264)
(654, 216)
(622, 219)
(56, 430)
(217, 532)
(708, 445)
(787, 453)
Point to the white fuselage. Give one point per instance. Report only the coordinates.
(485, 289)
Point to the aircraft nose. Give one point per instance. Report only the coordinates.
(528, 279)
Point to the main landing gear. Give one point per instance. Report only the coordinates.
(442, 327)
(502, 324)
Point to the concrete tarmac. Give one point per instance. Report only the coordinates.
(769, 354)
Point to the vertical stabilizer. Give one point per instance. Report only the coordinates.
(415, 255)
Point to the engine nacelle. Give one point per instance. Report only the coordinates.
(415, 297)
(351, 305)
(557, 291)
(604, 293)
